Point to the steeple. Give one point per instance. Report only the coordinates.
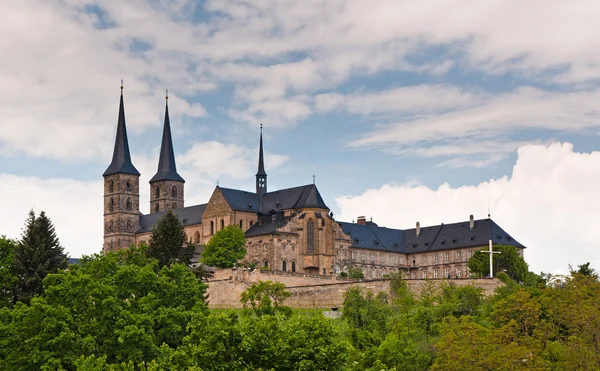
(261, 175)
(166, 163)
(121, 161)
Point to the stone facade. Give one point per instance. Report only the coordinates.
(121, 211)
(166, 194)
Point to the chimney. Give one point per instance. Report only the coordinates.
(471, 222)
(418, 229)
(361, 220)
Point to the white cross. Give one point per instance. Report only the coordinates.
(491, 252)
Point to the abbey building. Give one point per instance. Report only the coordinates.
(287, 230)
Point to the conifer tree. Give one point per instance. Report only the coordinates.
(168, 242)
(38, 253)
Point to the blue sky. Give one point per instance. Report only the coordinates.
(402, 111)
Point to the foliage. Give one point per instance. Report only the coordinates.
(120, 306)
(38, 253)
(168, 242)
(356, 273)
(266, 298)
(225, 248)
(508, 260)
(585, 269)
(8, 274)
(367, 315)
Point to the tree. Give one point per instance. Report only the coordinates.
(225, 248)
(117, 306)
(168, 244)
(586, 270)
(8, 275)
(38, 253)
(509, 259)
(356, 273)
(367, 314)
(266, 298)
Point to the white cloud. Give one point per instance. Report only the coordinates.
(406, 99)
(549, 204)
(503, 114)
(77, 217)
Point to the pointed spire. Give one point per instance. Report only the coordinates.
(166, 163)
(121, 161)
(261, 162)
(261, 175)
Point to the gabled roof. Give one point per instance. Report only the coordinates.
(187, 215)
(121, 161)
(166, 163)
(268, 225)
(431, 238)
(241, 200)
(370, 236)
(307, 196)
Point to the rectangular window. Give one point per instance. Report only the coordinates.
(353, 256)
(424, 275)
(446, 272)
(435, 273)
(372, 258)
(265, 247)
(458, 255)
(447, 257)
(400, 260)
(424, 258)
(458, 272)
(470, 254)
(435, 257)
(283, 247)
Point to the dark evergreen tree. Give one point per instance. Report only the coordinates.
(168, 242)
(38, 253)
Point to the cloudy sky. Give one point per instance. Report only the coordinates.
(404, 111)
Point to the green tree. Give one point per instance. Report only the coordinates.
(356, 273)
(266, 298)
(586, 270)
(508, 260)
(168, 242)
(38, 253)
(119, 306)
(225, 248)
(367, 314)
(8, 274)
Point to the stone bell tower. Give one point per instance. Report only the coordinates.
(166, 186)
(121, 193)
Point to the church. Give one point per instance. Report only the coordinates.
(287, 230)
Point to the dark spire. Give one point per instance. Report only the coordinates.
(121, 161)
(261, 162)
(166, 163)
(261, 175)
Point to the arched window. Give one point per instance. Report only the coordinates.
(293, 266)
(323, 223)
(156, 208)
(284, 266)
(241, 224)
(174, 206)
(266, 264)
(197, 237)
(222, 224)
(129, 207)
(251, 222)
(212, 227)
(310, 237)
(111, 226)
(156, 192)
(174, 192)
(111, 186)
(129, 226)
(111, 205)
(128, 186)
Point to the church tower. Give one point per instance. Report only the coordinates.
(121, 192)
(166, 186)
(261, 175)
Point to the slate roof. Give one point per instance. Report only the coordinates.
(291, 198)
(268, 225)
(188, 215)
(166, 163)
(121, 161)
(431, 238)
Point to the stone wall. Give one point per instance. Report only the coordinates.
(311, 291)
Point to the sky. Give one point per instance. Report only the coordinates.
(403, 111)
